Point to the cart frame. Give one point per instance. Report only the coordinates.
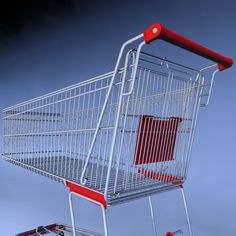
(155, 31)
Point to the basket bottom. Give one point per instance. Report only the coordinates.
(62, 168)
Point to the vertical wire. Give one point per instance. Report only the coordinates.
(72, 116)
(77, 139)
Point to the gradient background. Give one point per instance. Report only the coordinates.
(46, 45)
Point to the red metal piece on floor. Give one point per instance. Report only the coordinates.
(88, 193)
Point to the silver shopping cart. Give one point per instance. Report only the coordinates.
(119, 136)
(66, 230)
(57, 230)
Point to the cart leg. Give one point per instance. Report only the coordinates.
(73, 217)
(104, 220)
(186, 211)
(152, 216)
(72, 214)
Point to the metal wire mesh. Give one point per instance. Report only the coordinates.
(51, 134)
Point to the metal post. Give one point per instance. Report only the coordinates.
(186, 211)
(72, 214)
(104, 220)
(153, 216)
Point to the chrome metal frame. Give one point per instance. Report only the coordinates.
(103, 110)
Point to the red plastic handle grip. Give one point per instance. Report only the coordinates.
(157, 31)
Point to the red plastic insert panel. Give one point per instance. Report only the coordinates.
(156, 139)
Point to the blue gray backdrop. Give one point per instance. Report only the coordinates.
(46, 45)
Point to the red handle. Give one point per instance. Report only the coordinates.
(156, 31)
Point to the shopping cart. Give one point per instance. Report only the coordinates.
(119, 136)
(57, 230)
(66, 230)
